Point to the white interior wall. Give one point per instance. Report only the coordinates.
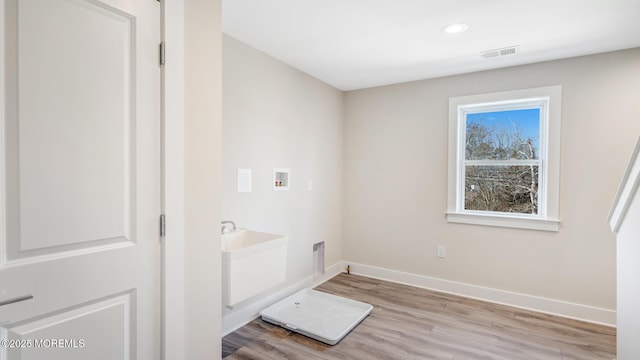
(278, 117)
(623, 220)
(628, 242)
(202, 158)
(395, 193)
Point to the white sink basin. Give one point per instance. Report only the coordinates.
(252, 262)
(242, 238)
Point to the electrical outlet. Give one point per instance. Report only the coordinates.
(442, 251)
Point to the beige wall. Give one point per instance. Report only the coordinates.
(395, 188)
(202, 150)
(390, 182)
(276, 116)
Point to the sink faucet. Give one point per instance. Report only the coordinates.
(233, 225)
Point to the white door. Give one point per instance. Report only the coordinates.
(79, 179)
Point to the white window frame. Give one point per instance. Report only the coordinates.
(548, 99)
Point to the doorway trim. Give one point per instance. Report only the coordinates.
(173, 299)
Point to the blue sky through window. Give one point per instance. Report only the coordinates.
(527, 121)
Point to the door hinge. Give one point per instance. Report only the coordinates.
(162, 53)
(163, 224)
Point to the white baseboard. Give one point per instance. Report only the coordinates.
(529, 302)
(247, 311)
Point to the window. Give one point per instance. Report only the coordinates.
(504, 158)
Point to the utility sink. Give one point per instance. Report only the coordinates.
(252, 262)
(243, 240)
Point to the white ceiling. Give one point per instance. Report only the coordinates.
(353, 44)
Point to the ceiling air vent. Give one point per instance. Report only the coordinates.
(511, 50)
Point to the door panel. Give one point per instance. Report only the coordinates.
(80, 177)
(76, 328)
(76, 139)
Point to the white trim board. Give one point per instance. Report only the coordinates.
(173, 321)
(247, 311)
(564, 309)
(627, 190)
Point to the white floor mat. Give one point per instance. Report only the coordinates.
(318, 315)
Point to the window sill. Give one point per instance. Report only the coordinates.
(503, 221)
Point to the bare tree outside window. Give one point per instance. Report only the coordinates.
(504, 158)
(501, 163)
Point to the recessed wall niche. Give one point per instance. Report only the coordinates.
(281, 179)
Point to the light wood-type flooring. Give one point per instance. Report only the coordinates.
(413, 323)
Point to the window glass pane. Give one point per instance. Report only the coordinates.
(510, 189)
(503, 135)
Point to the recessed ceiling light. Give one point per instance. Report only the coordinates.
(455, 28)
